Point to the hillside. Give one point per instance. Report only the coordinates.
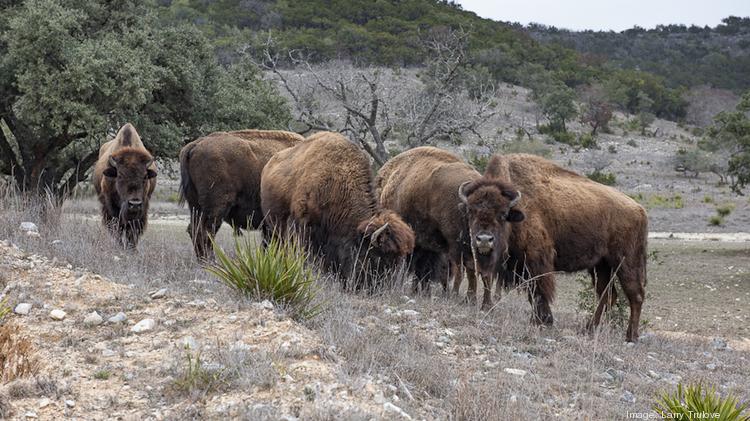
(683, 56)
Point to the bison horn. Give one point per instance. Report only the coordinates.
(461, 194)
(514, 202)
(112, 162)
(376, 234)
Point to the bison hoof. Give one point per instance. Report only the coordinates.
(487, 305)
(542, 319)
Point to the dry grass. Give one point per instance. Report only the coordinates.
(447, 360)
(17, 356)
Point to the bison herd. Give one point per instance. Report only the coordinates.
(517, 224)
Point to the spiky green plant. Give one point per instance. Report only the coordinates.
(280, 272)
(4, 309)
(693, 403)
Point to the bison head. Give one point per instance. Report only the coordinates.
(488, 206)
(387, 239)
(129, 169)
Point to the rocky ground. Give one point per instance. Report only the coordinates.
(130, 350)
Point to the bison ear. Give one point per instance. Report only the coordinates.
(150, 173)
(515, 216)
(110, 172)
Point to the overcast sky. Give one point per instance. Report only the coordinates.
(616, 15)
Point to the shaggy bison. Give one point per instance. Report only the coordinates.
(572, 223)
(124, 178)
(453, 210)
(220, 180)
(323, 187)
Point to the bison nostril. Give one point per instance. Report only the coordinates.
(485, 238)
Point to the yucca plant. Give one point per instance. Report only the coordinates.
(695, 403)
(280, 272)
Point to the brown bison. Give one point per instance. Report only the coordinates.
(323, 188)
(124, 178)
(220, 180)
(453, 210)
(572, 223)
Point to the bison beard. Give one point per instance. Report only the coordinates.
(321, 189)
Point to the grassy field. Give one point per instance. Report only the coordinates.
(438, 358)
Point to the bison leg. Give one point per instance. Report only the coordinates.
(201, 231)
(540, 293)
(457, 274)
(602, 277)
(471, 292)
(487, 299)
(632, 285)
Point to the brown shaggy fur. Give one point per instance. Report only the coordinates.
(124, 190)
(221, 180)
(422, 185)
(323, 186)
(572, 224)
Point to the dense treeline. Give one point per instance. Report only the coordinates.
(389, 32)
(684, 56)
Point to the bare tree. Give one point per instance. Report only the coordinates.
(374, 106)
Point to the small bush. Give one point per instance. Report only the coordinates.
(479, 162)
(632, 143)
(612, 149)
(196, 376)
(606, 178)
(588, 141)
(692, 402)
(708, 199)
(280, 272)
(533, 147)
(716, 220)
(724, 210)
(102, 374)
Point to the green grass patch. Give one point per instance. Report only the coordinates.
(102, 374)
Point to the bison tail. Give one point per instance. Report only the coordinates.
(185, 181)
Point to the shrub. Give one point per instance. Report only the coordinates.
(632, 143)
(724, 210)
(280, 272)
(606, 178)
(588, 141)
(691, 402)
(479, 162)
(196, 376)
(716, 220)
(4, 309)
(708, 199)
(534, 147)
(612, 149)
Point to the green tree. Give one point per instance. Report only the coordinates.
(557, 103)
(731, 132)
(72, 72)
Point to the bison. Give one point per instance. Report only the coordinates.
(453, 210)
(124, 179)
(323, 189)
(220, 180)
(572, 224)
